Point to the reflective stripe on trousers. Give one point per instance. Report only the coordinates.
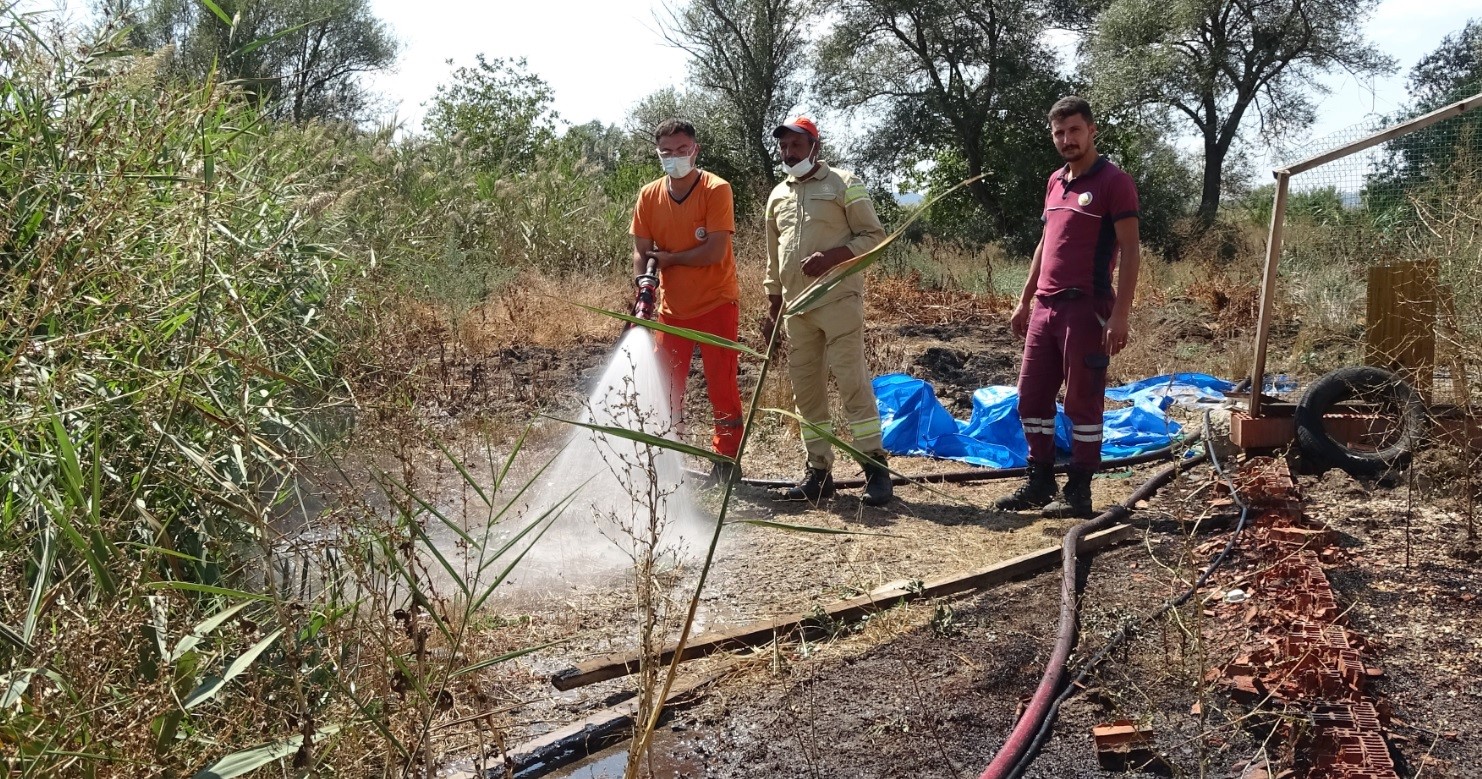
(1064, 346)
(829, 340)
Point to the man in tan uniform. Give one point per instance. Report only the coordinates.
(816, 219)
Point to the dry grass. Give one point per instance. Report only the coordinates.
(906, 300)
(535, 309)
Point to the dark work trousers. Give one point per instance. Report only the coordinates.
(1064, 345)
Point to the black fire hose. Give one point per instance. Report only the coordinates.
(989, 474)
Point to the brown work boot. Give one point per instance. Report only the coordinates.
(1036, 492)
(1075, 499)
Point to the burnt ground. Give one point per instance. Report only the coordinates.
(930, 689)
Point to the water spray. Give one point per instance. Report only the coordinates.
(618, 481)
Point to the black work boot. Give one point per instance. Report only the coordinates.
(1075, 499)
(878, 488)
(1037, 490)
(816, 485)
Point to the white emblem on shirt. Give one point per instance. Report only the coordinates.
(1084, 199)
(700, 233)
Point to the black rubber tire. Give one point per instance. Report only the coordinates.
(1364, 383)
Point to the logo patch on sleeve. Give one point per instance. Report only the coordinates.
(700, 233)
(1084, 199)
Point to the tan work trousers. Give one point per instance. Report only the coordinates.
(824, 340)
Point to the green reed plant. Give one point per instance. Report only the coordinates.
(174, 316)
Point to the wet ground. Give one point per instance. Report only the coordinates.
(930, 689)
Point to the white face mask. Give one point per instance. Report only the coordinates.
(677, 167)
(801, 169)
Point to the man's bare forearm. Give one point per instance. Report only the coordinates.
(1032, 282)
(710, 250)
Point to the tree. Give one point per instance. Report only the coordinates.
(1451, 72)
(496, 110)
(1165, 182)
(749, 55)
(300, 59)
(1213, 62)
(964, 84)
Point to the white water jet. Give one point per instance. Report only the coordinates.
(614, 483)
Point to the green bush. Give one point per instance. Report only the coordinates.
(163, 356)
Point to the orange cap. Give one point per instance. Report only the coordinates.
(797, 124)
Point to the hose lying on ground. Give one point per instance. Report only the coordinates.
(984, 474)
(1034, 727)
(1017, 744)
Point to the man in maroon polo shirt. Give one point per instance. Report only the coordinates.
(1071, 315)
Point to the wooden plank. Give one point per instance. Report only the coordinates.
(587, 735)
(765, 631)
(1268, 292)
(1400, 324)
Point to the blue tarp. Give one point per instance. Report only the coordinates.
(915, 423)
(1180, 387)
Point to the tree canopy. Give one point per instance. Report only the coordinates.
(497, 110)
(961, 84)
(748, 56)
(301, 59)
(1217, 63)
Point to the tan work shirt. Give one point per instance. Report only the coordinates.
(830, 208)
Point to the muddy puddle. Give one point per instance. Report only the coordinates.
(661, 763)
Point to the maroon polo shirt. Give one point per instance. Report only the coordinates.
(1080, 239)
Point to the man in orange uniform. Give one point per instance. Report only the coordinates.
(685, 222)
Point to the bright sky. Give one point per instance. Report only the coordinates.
(1407, 31)
(598, 56)
(601, 56)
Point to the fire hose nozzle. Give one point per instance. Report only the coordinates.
(648, 285)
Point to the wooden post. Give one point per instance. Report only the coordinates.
(1268, 292)
(1401, 327)
(1278, 217)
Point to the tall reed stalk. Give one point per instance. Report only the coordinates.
(807, 299)
(169, 363)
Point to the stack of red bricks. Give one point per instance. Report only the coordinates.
(1300, 658)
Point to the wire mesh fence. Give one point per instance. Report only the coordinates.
(1383, 251)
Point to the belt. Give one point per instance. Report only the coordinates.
(1070, 293)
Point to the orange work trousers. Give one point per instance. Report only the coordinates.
(720, 371)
